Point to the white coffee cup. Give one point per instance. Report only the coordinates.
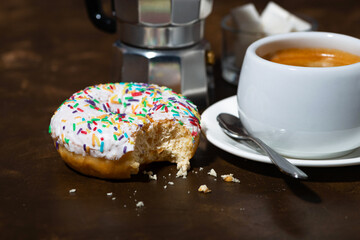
(301, 112)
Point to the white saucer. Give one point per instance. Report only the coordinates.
(215, 135)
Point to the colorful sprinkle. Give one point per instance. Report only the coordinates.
(102, 147)
(105, 113)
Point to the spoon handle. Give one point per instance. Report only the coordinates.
(283, 164)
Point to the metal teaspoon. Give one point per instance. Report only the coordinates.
(233, 127)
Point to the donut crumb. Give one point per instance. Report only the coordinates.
(151, 175)
(212, 173)
(203, 188)
(72, 190)
(140, 204)
(230, 178)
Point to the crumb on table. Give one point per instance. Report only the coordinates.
(230, 178)
(151, 175)
(140, 204)
(203, 188)
(212, 173)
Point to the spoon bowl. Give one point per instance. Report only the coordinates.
(233, 127)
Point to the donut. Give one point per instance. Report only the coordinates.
(110, 130)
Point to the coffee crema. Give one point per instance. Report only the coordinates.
(313, 57)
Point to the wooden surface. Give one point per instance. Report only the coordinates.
(48, 50)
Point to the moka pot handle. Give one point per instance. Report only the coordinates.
(98, 17)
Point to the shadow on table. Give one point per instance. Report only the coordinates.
(316, 174)
(299, 187)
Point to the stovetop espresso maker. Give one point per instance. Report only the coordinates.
(161, 42)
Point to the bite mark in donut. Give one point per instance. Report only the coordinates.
(109, 130)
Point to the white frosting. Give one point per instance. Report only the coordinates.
(101, 120)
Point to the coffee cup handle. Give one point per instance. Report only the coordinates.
(98, 17)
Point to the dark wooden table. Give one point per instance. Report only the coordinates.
(48, 50)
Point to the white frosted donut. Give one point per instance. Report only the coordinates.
(109, 130)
